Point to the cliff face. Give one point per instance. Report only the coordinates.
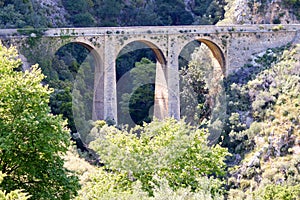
(261, 12)
(54, 12)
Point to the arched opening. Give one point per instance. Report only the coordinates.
(141, 83)
(201, 70)
(77, 78)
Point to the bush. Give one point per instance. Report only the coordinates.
(281, 192)
(168, 150)
(31, 139)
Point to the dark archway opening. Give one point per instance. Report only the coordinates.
(201, 69)
(136, 73)
(72, 75)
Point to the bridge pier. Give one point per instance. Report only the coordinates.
(98, 99)
(173, 79)
(161, 92)
(110, 85)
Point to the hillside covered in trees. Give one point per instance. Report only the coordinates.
(257, 155)
(83, 13)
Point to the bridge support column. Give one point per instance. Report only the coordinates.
(173, 80)
(110, 94)
(98, 100)
(161, 92)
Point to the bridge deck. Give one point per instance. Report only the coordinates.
(168, 30)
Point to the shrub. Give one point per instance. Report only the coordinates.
(169, 150)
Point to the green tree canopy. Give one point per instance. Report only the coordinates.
(32, 140)
(13, 195)
(138, 103)
(169, 150)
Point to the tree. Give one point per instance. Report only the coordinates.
(108, 11)
(139, 102)
(83, 20)
(13, 195)
(200, 86)
(32, 140)
(173, 12)
(169, 150)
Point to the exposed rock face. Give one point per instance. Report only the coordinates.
(25, 63)
(274, 12)
(55, 11)
(258, 12)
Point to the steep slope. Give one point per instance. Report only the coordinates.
(54, 12)
(265, 139)
(85, 13)
(261, 12)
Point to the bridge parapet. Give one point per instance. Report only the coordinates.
(205, 29)
(199, 29)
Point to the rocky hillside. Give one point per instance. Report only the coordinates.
(262, 130)
(55, 12)
(264, 126)
(262, 12)
(82, 13)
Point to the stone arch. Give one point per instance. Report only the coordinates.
(161, 89)
(155, 48)
(98, 93)
(214, 47)
(217, 53)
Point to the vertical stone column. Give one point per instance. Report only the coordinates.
(173, 78)
(161, 92)
(110, 94)
(98, 100)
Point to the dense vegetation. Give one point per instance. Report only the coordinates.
(80, 13)
(149, 159)
(263, 131)
(32, 139)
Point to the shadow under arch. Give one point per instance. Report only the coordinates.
(217, 53)
(96, 84)
(160, 79)
(158, 53)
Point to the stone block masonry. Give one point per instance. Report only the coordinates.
(231, 45)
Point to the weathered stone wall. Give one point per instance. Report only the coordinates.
(241, 46)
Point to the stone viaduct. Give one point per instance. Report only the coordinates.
(232, 46)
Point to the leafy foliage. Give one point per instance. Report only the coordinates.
(18, 13)
(194, 93)
(71, 73)
(107, 186)
(271, 170)
(13, 195)
(141, 99)
(281, 192)
(83, 13)
(32, 139)
(170, 150)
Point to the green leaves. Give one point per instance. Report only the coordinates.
(139, 99)
(281, 192)
(32, 139)
(169, 149)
